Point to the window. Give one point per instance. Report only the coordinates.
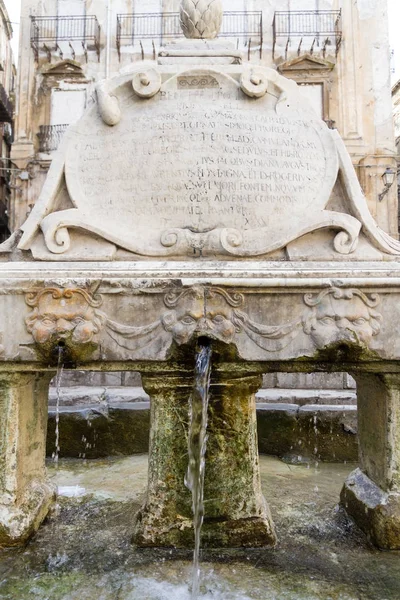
(314, 92)
(67, 106)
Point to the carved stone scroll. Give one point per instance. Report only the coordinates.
(146, 84)
(108, 106)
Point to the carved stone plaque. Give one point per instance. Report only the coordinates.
(200, 162)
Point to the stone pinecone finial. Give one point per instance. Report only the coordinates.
(201, 19)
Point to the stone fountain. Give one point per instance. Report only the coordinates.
(231, 213)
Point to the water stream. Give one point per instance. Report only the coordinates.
(59, 374)
(197, 448)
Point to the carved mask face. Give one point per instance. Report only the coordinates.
(64, 318)
(336, 320)
(197, 317)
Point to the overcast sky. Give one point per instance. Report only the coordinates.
(394, 29)
(13, 7)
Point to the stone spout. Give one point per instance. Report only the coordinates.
(201, 19)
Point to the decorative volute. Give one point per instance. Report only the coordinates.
(201, 19)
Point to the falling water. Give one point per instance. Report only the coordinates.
(60, 369)
(197, 448)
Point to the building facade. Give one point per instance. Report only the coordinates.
(337, 50)
(396, 120)
(7, 87)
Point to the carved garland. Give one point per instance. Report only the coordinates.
(332, 315)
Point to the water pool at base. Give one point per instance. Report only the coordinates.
(83, 550)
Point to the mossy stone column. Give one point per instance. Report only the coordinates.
(371, 494)
(236, 513)
(25, 493)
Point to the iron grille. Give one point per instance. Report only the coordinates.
(50, 137)
(49, 31)
(133, 28)
(321, 27)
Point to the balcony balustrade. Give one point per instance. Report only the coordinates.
(48, 32)
(307, 30)
(132, 29)
(50, 137)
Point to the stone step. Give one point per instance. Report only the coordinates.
(310, 381)
(93, 396)
(301, 396)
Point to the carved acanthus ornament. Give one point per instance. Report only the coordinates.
(201, 19)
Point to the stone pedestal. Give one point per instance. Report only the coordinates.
(25, 494)
(371, 494)
(236, 513)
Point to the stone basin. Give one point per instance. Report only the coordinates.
(148, 318)
(83, 550)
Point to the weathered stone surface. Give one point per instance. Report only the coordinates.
(236, 512)
(124, 429)
(97, 396)
(120, 429)
(379, 428)
(145, 322)
(219, 162)
(25, 493)
(227, 161)
(308, 433)
(314, 381)
(77, 396)
(375, 511)
(201, 18)
(371, 494)
(301, 397)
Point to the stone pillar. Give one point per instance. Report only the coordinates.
(236, 513)
(25, 493)
(371, 494)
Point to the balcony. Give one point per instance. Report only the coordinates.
(133, 29)
(50, 137)
(6, 107)
(48, 32)
(307, 31)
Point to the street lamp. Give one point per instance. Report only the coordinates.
(388, 178)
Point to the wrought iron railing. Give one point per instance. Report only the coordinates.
(50, 137)
(134, 28)
(47, 32)
(309, 29)
(6, 107)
